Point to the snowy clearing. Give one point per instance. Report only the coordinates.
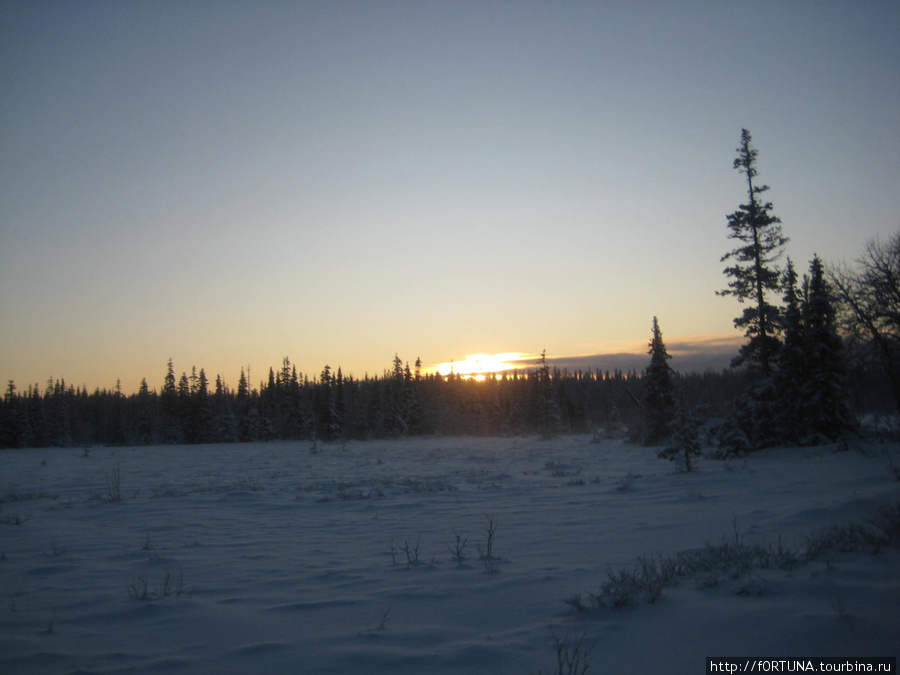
(434, 555)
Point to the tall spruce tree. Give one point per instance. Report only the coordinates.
(753, 273)
(659, 391)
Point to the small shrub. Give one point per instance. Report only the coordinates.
(652, 578)
(114, 484)
(846, 538)
(647, 579)
(412, 553)
(380, 624)
(816, 545)
(12, 518)
(685, 449)
(27, 496)
(170, 586)
(385, 615)
(487, 554)
(573, 654)
(886, 520)
(617, 591)
(894, 469)
(147, 544)
(138, 589)
(627, 481)
(785, 557)
(493, 524)
(56, 550)
(577, 603)
(492, 565)
(458, 549)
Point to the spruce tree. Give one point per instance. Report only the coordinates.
(243, 390)
(753, 273)
(659, 391)
(810, 381)
(146, 422)
(339, 407)
(548, 412)
(203, 410)
(169, 400)
(792, 361)
(685, 448)
(326, 415)
(397, 406)
(11, 430)
(169, 391)
(754, 278)
(823, 393)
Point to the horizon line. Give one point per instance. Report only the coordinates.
(689, 354)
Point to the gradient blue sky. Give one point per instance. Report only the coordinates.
(228, 183)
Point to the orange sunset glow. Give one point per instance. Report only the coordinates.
(478, 366)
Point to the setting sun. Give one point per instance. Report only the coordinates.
(478, 366)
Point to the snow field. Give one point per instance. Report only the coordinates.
(283, 557)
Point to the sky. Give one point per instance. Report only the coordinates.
(229, 183)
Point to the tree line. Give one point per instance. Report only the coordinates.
(820, 351)
(331, 406)
(401, 402)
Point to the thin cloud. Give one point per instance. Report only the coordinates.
(689, 354)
